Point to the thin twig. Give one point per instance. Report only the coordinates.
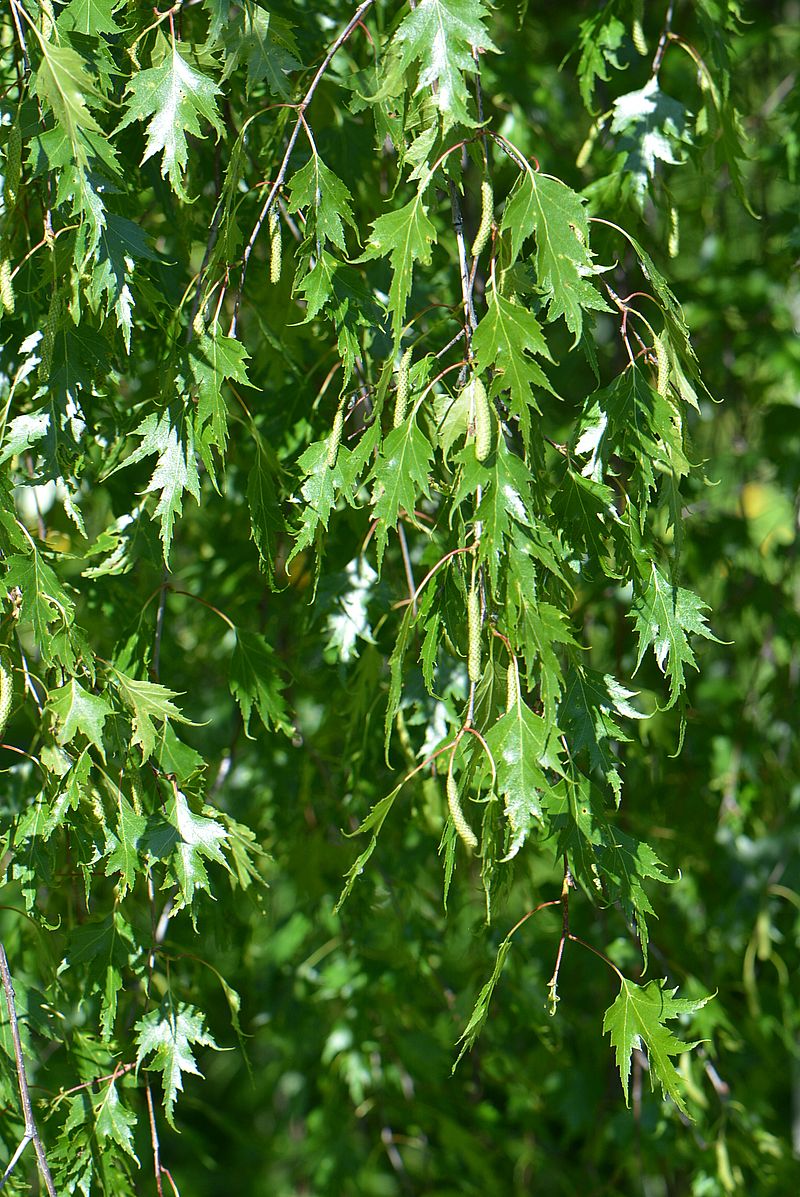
(552, 985)
(662, 41)
(354, 21)
(31, 1134)
(154, 1139)
(20, 35)
(470, 320)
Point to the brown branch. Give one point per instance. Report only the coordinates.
(31, 1134)
(157, 1167)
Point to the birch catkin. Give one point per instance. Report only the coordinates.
(483, 420)
(662, 361)
(6, 688)
(275, 246)
(457, 815)
(474, 635)
(6, 287)
(336, 435)
(674, 244)
(487, 211)
(511, 686)
(403, 386)
(638, 38)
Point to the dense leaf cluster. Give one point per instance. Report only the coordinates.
(350, 423)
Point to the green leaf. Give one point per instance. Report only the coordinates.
(99, 950)
(506, 339)
(150, 703)
(630, 419)
(523, 747)
(77, 710)
(653, 128)
(23, 432)
(67, 85)
(256, 684)
(557, 216)
(374, 823)
(507, 505)
(405, 236)
(172, 439)
(114, 1121)
(44, 602)
(538, 629)
(120, 246)
(664, 615)
(589, 713)
(326, 199)
(91, 17)
(480, 1011)
(167, 1036)
(401, 477)
(601, 38)
(637, 1019)
(584, 509)
(441, 35)
(263, 40)
(604, 860)
(213, 360)
(198, 839)
(123, 845)
(171, 97)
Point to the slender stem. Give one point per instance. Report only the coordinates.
(31, 1134)
(119, 1071)
(20, 35)
(470, 320)
(354, 21)
(662, 41)
(442, 561)
(531, 913)
(552, 984)
(154, 1140)
(602, 955)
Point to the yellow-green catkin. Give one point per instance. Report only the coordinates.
(674, 243)
(275, 246)
(13, 170)
(199, 322)
(487, 212)
(403, 387)
(335, 438)
(6, 287)
(457, 815)
(474, 635)
(638, 38)
(662, 362)
(511, 685)
(637, 32)
(483, 420)
(6, 688)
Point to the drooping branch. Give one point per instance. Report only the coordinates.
(31, 1133)
(272, 194)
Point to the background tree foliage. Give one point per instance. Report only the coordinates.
(360, 475)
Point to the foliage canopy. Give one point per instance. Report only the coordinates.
(361, 476)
